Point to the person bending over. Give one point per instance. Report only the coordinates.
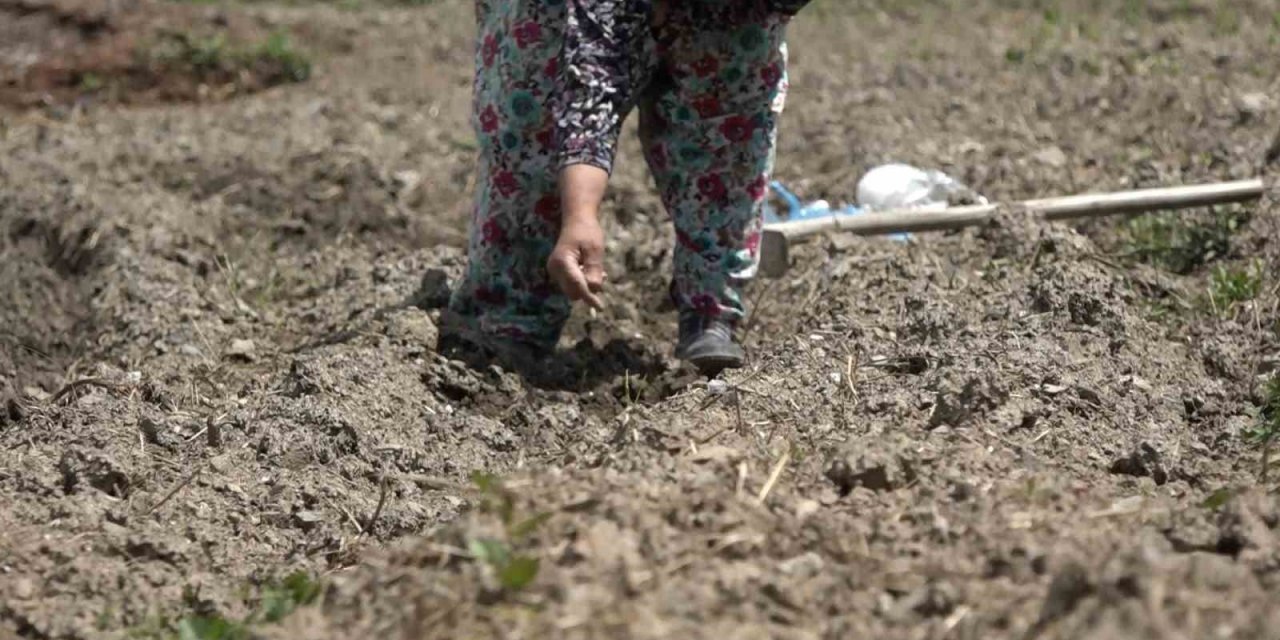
(554, 81)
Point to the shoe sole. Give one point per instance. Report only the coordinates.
(713, 363)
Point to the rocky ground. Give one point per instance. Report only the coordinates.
(221, 286)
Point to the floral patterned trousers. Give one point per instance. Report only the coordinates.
(709, 83)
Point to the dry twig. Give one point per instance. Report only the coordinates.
(382, 502)
(174, 491)
(774, 475)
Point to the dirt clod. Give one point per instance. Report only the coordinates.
(1145, 461)
(959, 399)
(242, 350)
(880, 463)
(1070, 585)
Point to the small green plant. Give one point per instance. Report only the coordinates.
(211, 628)
(1181, 243)
(1165, 309)
(1217, 499)
(274, 60)
(512, 570)
(296, 590)
(290, 64)
(154, 626)
(202, 55)
(633, 389)
(90, 82)
(1228, 287)
(1268, 427)
(277, 600)
(1227, 20)
(1133, 11)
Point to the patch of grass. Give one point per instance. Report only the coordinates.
(290, 64)
(1181, 243)
(1133, 11)
(1228, 287)
(1163, 310)
(155, 626)
(275, 602)
(1227, 20)
(278, 600)
(201, 54)
(275, 60)
(90, 82)
(1217, 499)
(512, 570)
(1268, 427)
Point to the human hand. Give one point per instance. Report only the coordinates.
(576, 264)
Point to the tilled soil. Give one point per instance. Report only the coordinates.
(218, 367)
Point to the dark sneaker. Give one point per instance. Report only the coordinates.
(707, 343)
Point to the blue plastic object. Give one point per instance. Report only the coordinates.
(797, 210)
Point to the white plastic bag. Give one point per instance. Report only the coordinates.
(900, 186)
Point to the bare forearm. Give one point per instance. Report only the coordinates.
(576, 264)
(582, 188)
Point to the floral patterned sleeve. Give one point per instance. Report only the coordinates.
(602, 51)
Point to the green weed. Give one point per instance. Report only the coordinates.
(1268, 427)
(274, 60)
(627, 400)
(296, 590)
(1228, 287)
(90, 82)
(634, 389)
(1227, 20)
(1133, 11)
(1217, 499)
(276, 601)
(1166, 309)
(1178, 242)
(154, 626)
(290, 64)
(213, 628)
(513, 570)
(201, 54)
